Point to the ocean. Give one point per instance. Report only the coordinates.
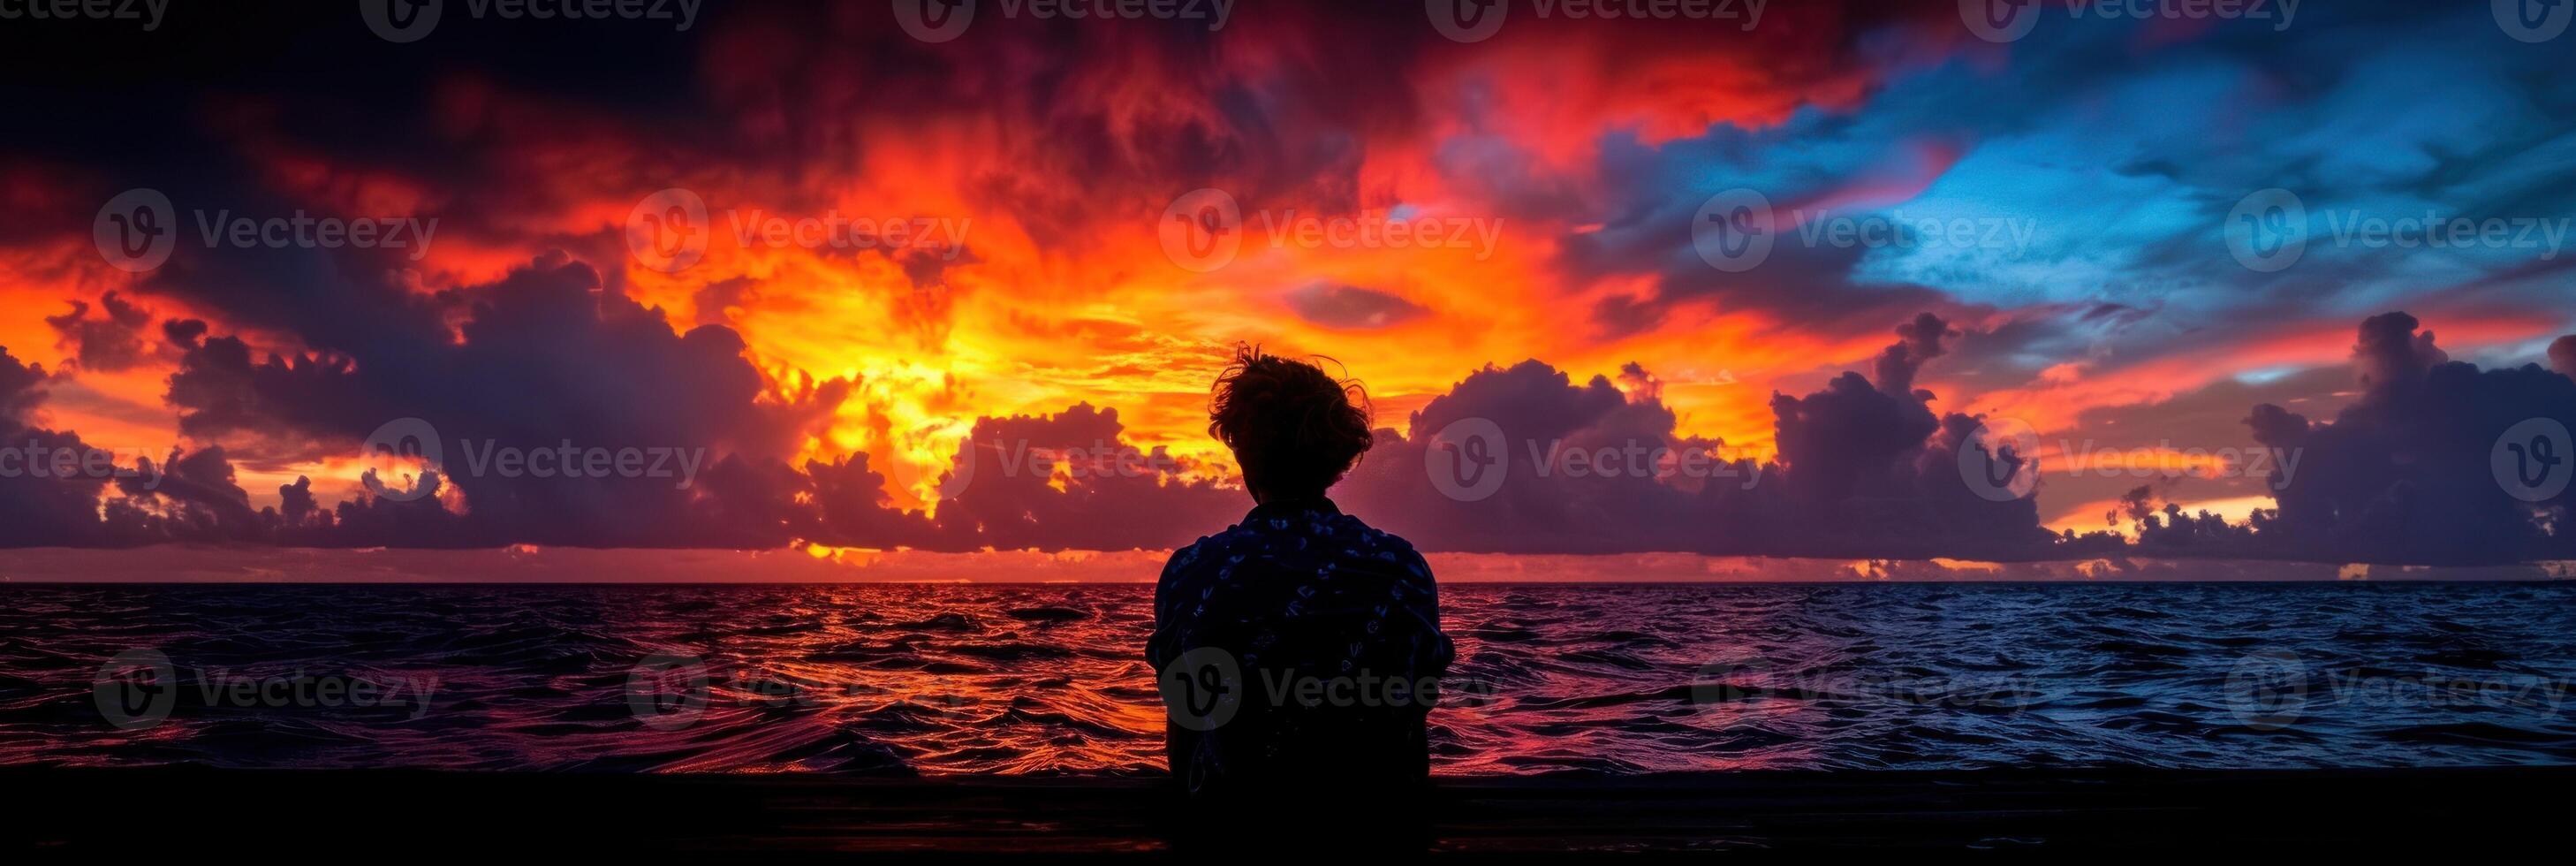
(903, 679)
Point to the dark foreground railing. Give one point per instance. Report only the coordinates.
(343, 814)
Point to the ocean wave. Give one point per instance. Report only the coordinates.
(1048, 680)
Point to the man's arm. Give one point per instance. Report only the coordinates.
(1158, 648)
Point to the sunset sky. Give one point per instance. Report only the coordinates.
(1044, 171)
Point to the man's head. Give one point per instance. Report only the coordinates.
(1294, 429)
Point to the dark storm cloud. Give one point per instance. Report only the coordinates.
(58, 491)
(2165, 528)
(1871, 460)
(2208, 420)
(1865, 469)
(21, 388)
(34, 510)
(543, 358)
(1533, 406)
(1809, 284)
(1112, 496)
(2407, 472)
(849, 507)
(302, 354)
(1334, 305)
(199, 500)
(112, 342)
(546, 357)
(556, 351)
(713, 300)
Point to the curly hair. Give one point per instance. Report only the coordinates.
(1294, 429)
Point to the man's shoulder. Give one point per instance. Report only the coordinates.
(1309, 537)
(1370, 542)
(1359, 531)
(1207, 548)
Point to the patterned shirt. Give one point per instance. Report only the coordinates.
(1332, 629)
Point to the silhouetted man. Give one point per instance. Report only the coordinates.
(1300, 650)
